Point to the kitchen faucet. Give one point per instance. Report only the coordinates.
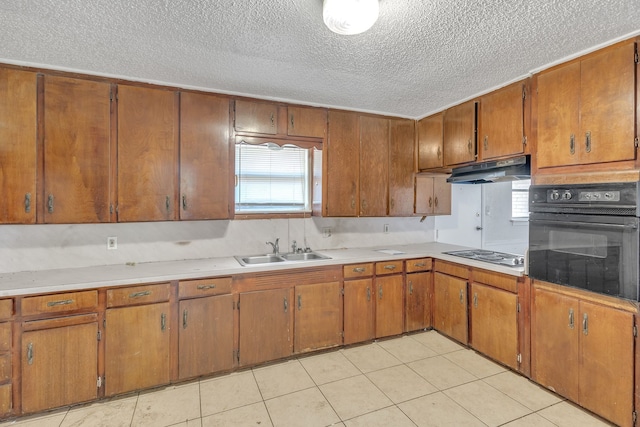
(275, 246)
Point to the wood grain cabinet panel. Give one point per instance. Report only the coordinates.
(417, 307)
(359, 310)
(147, 154)
(401, 166)
(309, 122)
(256, 117)
(432, 195)
(318, 316)
(459, 142)
(18, 128)
(389, 305)
(430, 142)
(77, 151)
(204, 157)
(450, 306)
(343, 164)
(374, 166)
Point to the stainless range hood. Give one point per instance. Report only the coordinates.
(513, 169)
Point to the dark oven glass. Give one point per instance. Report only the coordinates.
(594, 252)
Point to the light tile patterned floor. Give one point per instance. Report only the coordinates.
(421, 380)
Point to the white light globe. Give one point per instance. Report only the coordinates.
(349, 17)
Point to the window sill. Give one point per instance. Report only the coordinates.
(274, 215)
(520, 221)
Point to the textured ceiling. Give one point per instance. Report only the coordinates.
(420, 57)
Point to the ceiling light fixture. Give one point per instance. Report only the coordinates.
(349, 17)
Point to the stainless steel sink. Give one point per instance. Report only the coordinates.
(303, 256)
(271, 258)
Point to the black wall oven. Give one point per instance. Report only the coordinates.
(586, 236)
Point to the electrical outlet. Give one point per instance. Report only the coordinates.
(386, 228)
(326, 232)
(112, 243)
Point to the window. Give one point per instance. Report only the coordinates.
(520, 199)
(272, 178)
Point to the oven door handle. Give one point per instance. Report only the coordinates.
(599, 224)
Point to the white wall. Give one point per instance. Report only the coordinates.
(459, 228)
(43, 247)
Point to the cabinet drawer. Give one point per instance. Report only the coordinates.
(358, 270)
(497, 280)
(5, 336)
(419, 264)
(452, 269)
(6, 309)
(5, 368)
(388, 267)
(57, 303)
(204, 287)
(138, 295)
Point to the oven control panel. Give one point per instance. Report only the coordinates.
(595, 196)
(546, 198)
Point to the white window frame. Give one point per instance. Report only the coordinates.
(520, 211)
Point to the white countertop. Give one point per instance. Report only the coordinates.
(72, 279)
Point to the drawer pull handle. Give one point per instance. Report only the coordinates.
(184, 202)
(587, 143)
(420, 264)
(359, 270)
(184, 319)
(206, 287)
(380, 292)
(140, 294)
(163, 322)
(475, 300)
(299, 302)
(585, 324)
(461, 296)
(50, 203)
(286, 305)
(368, 293)
(571, 321)
(27, 203)
(390, 267)
(61, 302)
(30, 353)
(572, 144)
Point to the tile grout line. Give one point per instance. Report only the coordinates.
(264, 402)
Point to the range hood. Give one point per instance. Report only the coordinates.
(513, 169)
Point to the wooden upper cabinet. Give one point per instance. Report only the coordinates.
(256, 117)
(204, 157)
(459, 125)
(342, 168)
(18, 109)
(502, 122)
(304, 121)
(147, 154)
(401, 166)
(586, 109)
(432, 195)
(374, 166)
(77, 151)
(430, 140)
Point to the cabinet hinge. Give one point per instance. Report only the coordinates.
(635, 55)
(104, 323)
(99, 382)
(518, 308)
(99, 335)
(342, 334)
(237, 352)
(635, 417)
(524, 140)
(111, 208)
(519, 358)
(635, 142)
(238, 305)
(342, 291)
(524, 92)
(635, 331)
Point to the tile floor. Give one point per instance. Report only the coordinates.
(422, 380)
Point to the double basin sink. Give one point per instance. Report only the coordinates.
(271, 258)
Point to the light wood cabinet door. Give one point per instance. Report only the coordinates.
(459, 142)
(494, 323)
(310, 122)
(359, 321)
(318, 316)
(502, 122)
(442, 196)
(554, 334)
(417, 307)
(450, 306)
(607, 362)
(432, 195)
(204, 157)
(343, 164)
(256, 117)
(374, 166)
(136, 347)
(401, 166)
(205, 336)
(59, 366)
(147, 154)
(18, 105)
(389, 305)
(265, 326)
(430, 140)
(77, 150)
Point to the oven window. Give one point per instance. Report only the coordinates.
(578, 243)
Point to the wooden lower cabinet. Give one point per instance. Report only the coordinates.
(137, 347)
(265, 326)
(418, 291)
(59, 365)
(205, 336)
(584, 351)
(318, 316)
(359, 320)
(450, 306)
(389, 304)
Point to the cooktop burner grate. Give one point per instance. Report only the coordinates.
(501, 258)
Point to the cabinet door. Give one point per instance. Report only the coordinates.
(374, 166)
(59, 366)
(204, 157)
(430, 133)
(136, 347)
(459, 143)
(494, 323)
(77, 150)
(18, 104)
(359, 322)
(607, 106)
(401, 166)
(256, 117)
(389, 304)
(554, 338)
(441, 195)
(147, 154)
(318, 316)
(305, 121)
(607, 362)
(265, 326)
(205, 336)
(343, 157)
(502, 122)
(418, 290)
(424, 195)
(450, 306)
